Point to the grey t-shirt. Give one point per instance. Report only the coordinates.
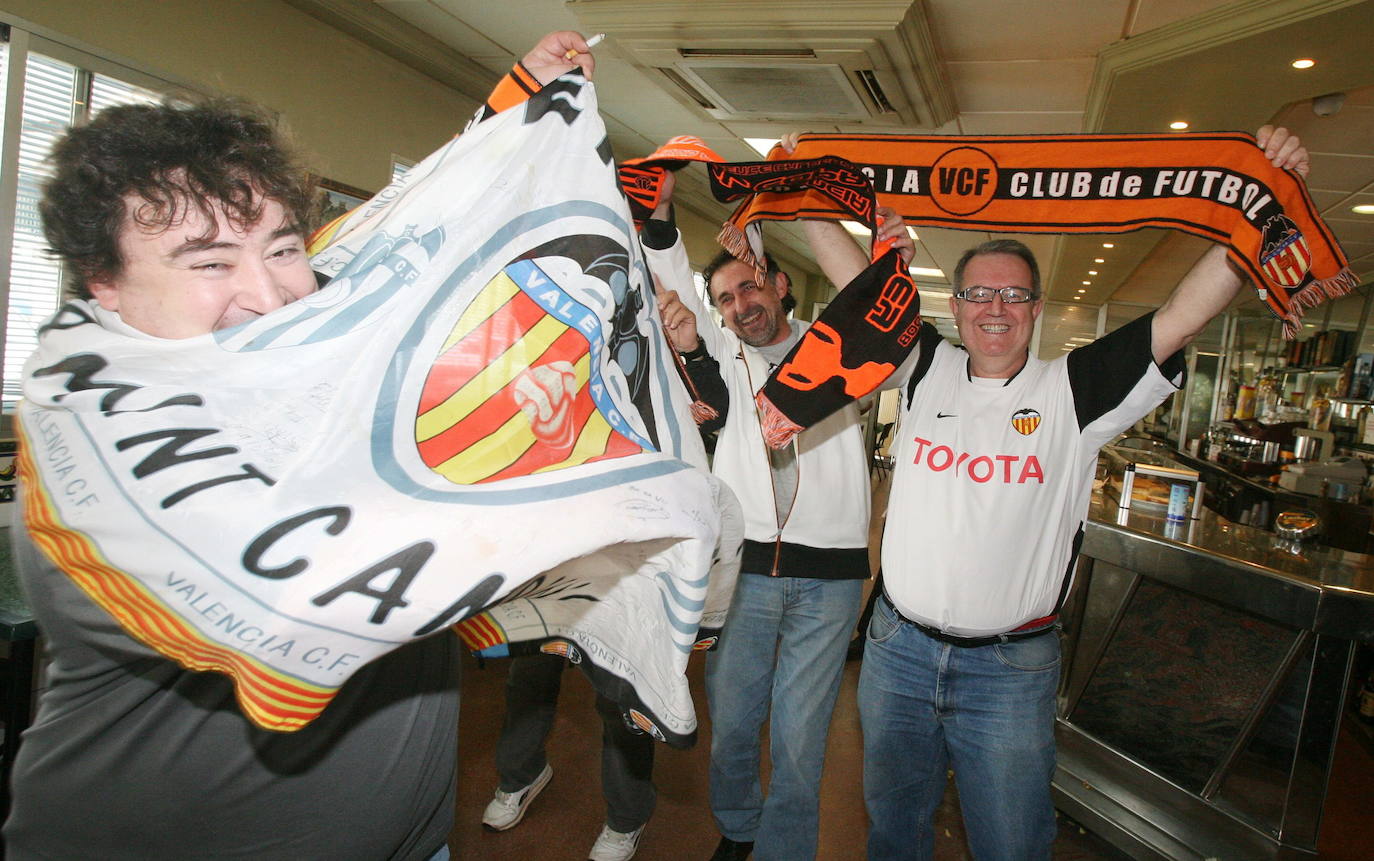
(132, 757)
(783, 460)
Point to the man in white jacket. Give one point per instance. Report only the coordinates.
(806, 512)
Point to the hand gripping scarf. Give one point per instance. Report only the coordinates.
(641, 179)
(476, 409)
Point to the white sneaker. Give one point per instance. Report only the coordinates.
(614, 845)
(506, 809)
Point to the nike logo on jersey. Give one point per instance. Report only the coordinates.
(946, 415)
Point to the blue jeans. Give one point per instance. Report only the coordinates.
(783, 643)
(986, 712)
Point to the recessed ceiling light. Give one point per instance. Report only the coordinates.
(1098, 260)
(1081, 290)
(1108, 245)
(927, 272)
(1086, 284)
(1363, 208)
(1178, 125)
(1092, 271)
(1304, 63)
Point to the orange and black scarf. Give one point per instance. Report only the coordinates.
(1215, 185)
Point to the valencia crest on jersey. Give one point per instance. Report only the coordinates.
(1025, 421)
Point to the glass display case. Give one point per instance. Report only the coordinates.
(1203, 682)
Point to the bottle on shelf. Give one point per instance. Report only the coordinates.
(1245, 403)
(1267, 393)
(1320, 418)
(1343, 382)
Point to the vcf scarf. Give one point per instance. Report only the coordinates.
(476, 408)
(1218, 186)
(1215, 185)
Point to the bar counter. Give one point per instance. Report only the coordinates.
(1205, 671)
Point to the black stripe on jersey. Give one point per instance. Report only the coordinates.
(926, 342)
(1067, 579)
(1103, 373)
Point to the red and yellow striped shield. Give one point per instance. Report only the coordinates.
(516, 388)
(1025, 421)
(481, 632)
(1288, 260)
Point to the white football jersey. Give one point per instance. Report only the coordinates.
(993, 477)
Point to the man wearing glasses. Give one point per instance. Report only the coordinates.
(994, 462)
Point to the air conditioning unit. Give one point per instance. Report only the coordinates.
(785, 59)
(761, 89)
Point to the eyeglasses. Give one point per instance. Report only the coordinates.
(1010, 295)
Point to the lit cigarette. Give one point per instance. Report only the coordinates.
(591, 43)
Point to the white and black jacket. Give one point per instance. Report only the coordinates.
(825, 535)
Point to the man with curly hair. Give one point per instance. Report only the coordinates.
(174, 222)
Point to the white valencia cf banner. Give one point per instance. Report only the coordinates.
(476, 421)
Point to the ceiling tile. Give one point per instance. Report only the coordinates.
(1027, 123)
(1352, 229)
(997, 30)
(443, 25)
(1332, 172)
(1349, 131)
(1151, 14)
(1327, 201)
(1021, 85)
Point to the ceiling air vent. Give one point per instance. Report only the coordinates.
(690, 91)
(754, 53)
(869, 82)
(774, 89)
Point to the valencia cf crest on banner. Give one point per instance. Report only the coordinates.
(1025, 421)
(517, 387)
(1284, 254)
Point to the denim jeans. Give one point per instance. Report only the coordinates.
(783, 643)
(985, 712)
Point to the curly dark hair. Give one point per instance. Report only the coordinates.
(771, 271)
(215, 155)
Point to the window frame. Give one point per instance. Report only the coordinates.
(26, 39)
